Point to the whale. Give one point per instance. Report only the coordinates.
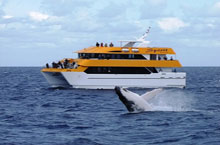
(134, 102)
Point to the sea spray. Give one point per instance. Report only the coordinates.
(173, 100)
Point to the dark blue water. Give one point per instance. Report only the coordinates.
(33, 113)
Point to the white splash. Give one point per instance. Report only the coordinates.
(172, 100)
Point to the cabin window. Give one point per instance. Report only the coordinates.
(131, 56)
(153, 57)
(110, 56)
(92, 55)
(119, 70)
(138, 56)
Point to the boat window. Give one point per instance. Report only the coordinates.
(138, 56)
(131, 56)
(92, 55)
(153, 57)
(110, 56)
(117, 70)
(99, 70)
(85, 55)
(115, 51)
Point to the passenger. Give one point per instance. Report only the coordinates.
(97, 44)
(106, 45)
(65, 63)
(171, 58)
(54, 65)
(159, 58)
(66, 60)
(101, 44)
(60, 64)
(75, 66)
(165, 58)
(47, 65)
(111, 44)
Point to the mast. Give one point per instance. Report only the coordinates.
(141, 40)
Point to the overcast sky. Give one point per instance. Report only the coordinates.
(34, 32)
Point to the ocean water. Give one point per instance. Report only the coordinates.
(33, 113)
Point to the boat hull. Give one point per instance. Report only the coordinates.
(109, 81)
(55, 79)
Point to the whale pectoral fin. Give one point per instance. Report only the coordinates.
(123, 96)
(147, 96)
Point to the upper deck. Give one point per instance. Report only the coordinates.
(128, 50)
(129, 55)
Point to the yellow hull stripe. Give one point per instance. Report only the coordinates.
(79, 69)
(128, 63)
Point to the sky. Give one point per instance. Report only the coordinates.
(36, 32)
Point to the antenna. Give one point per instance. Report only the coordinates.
(145, 34)
(148, 30)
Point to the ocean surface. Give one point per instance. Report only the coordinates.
(33, 113)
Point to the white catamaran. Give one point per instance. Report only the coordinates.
(133, 64)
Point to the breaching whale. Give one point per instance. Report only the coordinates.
(135, 102)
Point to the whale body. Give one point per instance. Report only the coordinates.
(134, 102)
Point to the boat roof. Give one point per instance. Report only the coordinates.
(127, 50)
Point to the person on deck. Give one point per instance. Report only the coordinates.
(171, 58)
(111, 44)
(165, 58)
(60, 64)
(97, 44)
(159, 58)
(47, 65)
(66, 61)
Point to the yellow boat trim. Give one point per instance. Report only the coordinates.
(128, 63)
(78, 69)
(129, 50)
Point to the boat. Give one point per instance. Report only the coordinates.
(133, 64)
